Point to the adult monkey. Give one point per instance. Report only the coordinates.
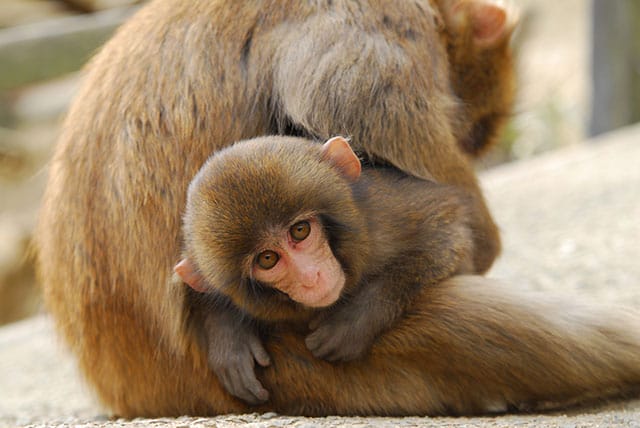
(182, 79)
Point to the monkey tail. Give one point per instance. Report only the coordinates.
(491, 348)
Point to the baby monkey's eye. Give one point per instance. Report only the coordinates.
(267, 259)
(300, 230)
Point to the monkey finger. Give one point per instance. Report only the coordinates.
(313, 341)
(231, 381)
(319, 345)
(259, 353)
(252, 385)
(229, 384)
(235, 386)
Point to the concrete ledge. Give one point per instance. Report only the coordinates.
(570, 219)
(570, 222)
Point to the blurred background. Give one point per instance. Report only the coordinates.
(578, 65)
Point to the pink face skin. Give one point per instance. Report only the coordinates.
(304, 269)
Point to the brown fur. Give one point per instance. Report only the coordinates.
(181, 80)
(390, 233)
(467, 346)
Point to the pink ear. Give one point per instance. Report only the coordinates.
(189, 275)
(338, 151)
(489, 23)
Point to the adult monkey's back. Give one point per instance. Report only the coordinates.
(183, 79)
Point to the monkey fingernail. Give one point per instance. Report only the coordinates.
(265, 362)
(263, 395)
(260, 355)
(262, 360)
(260, 394)
(309, 342)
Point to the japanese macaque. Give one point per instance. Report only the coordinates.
(282, 230)
(181, 80)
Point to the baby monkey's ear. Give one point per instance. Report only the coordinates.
(190, 275)
(338, 151)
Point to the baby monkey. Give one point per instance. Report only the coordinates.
(282, 229)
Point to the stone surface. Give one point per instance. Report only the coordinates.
(570, 222)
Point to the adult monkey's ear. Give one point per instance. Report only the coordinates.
(491, 24)
(338, 151)
(190, 275)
